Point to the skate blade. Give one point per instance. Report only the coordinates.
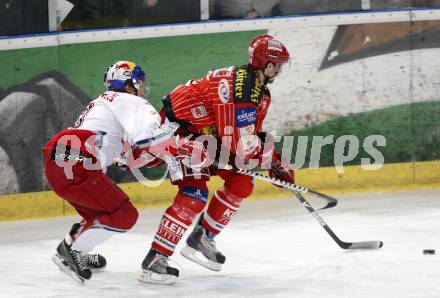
(151, 277)
(197, 257)
(97, 270)
(58, 260)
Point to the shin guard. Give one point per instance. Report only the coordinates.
(222, 208)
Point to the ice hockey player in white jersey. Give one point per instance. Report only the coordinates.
(119, 123)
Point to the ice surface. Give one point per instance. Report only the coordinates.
(274, 248)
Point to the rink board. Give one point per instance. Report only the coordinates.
(354, 179)
(359, 74)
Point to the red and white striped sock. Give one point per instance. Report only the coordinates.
(171, 229)
(221, 209)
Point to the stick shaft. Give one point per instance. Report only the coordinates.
(319, 219)
(331, 202)
(341, 244)
(297, 190)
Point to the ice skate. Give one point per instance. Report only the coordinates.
(95, 262)
(155, 269)
(201, 249)
(72, 263)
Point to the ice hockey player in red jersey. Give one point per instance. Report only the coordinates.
(119, 123)
(230, 104)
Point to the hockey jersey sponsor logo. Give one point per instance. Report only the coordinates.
(240, 77)
(199, 112)
(170, 230)
(247, 87)
(245, 116)
(256, 93)
(223, 72)
(196, 193)
(223, 91)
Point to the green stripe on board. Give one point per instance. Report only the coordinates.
(168, 61)
(412, 133)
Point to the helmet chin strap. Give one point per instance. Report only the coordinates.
(269, 80)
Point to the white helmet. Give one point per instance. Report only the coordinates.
(119, 73)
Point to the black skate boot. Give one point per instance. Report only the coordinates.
(201, 249)
(95, 262)
(71, 262)
(155, 269)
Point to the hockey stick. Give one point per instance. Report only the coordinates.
(297, 190)
(342, 244)
(331, 202)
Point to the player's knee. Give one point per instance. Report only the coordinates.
(228, 197)
(126, 216)
(132, 215)
(240, 186)
(191, 199)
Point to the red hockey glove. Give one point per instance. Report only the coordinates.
(265, 155)
(279, 171)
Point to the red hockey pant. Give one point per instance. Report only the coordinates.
(93, 195)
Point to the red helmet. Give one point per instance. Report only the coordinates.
(264, 49)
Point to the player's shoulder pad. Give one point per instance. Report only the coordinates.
(112, 96)
(109, 96)
(221, 72)
(246, 87)
(118, 99)
(133, 99)
(129, 96)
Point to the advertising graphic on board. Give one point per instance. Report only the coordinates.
(361, 80)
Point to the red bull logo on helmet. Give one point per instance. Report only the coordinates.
(125, 65)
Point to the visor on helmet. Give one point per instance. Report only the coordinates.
(141, 85)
